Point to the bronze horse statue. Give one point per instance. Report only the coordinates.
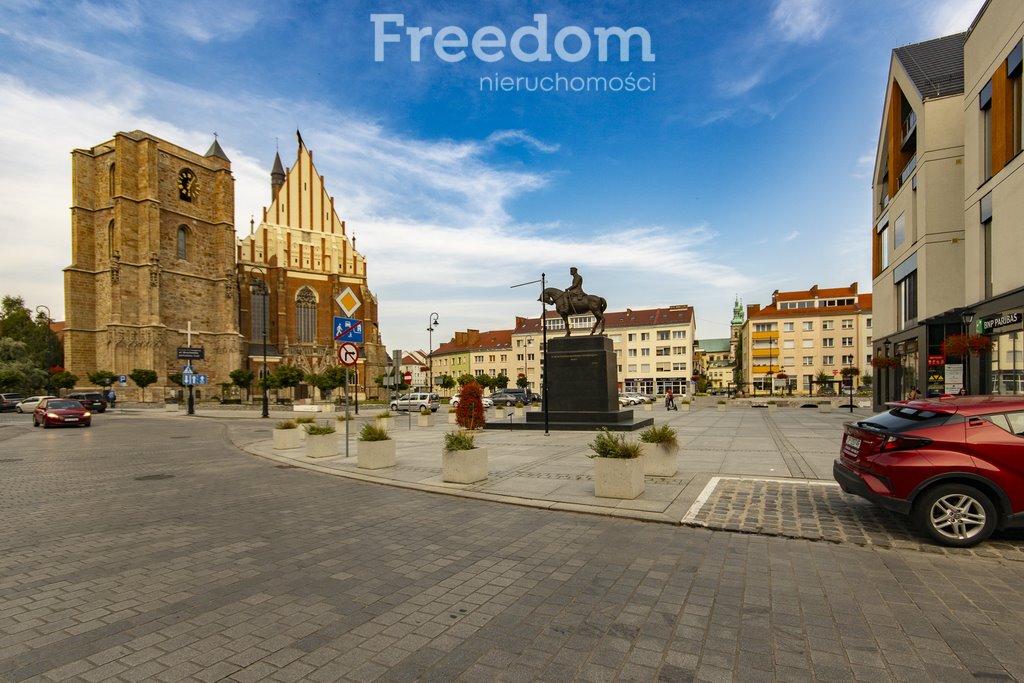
(566, 304)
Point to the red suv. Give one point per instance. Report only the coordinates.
(956, 465)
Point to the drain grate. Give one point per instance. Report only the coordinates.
(154, 477)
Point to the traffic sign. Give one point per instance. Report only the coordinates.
(348, 330)
(835, 372)
(407, 377)
(187, 370)
(191, 353)
(348, 302)
(348, 353)
(122, 380)
(193, 379)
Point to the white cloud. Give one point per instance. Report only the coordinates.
(945, 17)
(800, 20)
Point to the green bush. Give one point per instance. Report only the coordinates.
(345, 417)
(660, 434)
(305, 420)
(318, 430)
(608, 445)
(286, 424)
(373, 432)
(425, 411)
(458, 441)
(384, 414)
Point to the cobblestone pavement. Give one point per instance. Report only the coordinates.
(821, 511)
(145, 550)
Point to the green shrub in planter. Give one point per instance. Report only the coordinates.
(372, 432)
(305, 420)
(425, 411)
(286, 424)
(458, 441)
(721, 402)
(660, 434)
(344, 417)
(519, 404)
(318, 430)
(608, 445)
(384, 415)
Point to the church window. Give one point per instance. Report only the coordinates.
(110, 182)
(182, 242)
(305, 315)
(110, 238)
(260, 297)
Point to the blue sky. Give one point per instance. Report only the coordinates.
(746, 168)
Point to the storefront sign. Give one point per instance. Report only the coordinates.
(936, 360)
(1005, 321)
(954, 377)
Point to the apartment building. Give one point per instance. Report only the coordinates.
(713, 358)
(948, 201)
(993, 206)
(803, 333)
(653, 347)
(476, 353)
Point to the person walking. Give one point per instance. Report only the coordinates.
(112, 398)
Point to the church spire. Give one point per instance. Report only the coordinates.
(276, 176)
(737, 312)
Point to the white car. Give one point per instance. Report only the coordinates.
(487, 403)
(29, 404)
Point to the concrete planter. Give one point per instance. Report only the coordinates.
(520, 412)
(424, 420)
(721, 407)
(171, 407)
(287, 438)
(685, 407)
(453, 419)
(824, 407)
(659, 460)
(618, 477)
(375, 455)
(464, 467)
(321, 445)
(386, 422)
(648, 407)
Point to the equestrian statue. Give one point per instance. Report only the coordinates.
(574, 301)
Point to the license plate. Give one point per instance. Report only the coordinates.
(853, 443)
(71, 419)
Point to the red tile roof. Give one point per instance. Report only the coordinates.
(862, 303)
(649, 317)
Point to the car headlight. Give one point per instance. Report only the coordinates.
(53, 415)
(87, 414)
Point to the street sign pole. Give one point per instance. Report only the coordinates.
(346, 412)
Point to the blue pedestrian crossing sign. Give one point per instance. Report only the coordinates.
(348, 330)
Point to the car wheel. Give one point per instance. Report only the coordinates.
(956, 515)
(394, 406)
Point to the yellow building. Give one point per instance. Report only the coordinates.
(475, 353)
(802, 334)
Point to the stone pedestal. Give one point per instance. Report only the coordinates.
(582, 388)
(618, 477)
(464, 467)
(375, 455)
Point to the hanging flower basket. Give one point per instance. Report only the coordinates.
(884, 362)
(781, 375)
(959, 345)
(850, 371)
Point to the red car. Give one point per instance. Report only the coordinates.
(955, 465)
(61, 412)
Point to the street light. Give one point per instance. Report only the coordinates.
(431, 324)
(771, 366)
(967, 317)
(264, 290)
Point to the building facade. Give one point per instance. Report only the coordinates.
(152, 262)
(802, 334)
(948, 211)
(653, 347)
(475, 353)
(298, 271)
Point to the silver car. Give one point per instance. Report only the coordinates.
(30, 403)
(416, 402)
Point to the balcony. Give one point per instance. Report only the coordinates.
(773, 334)
(908, 130)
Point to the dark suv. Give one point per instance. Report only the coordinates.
(954, 465)
(92, 400)
(9, 401)
(510, 397)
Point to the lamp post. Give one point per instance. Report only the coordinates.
(526, 362)
(888, 374)
(264, 290)
(431, 324)
(771, 365)
(967, 317)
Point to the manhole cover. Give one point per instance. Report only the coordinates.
(154, 477)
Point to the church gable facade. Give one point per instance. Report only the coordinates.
(291, 270)
(153, 258)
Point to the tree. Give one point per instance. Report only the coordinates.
(465, 379)
(501, 381)
(101, 378)
(522, 382)
(242, 379)
(143, 378)
(485, 381)
(289, 376)
(447, 382)
(63, 380)
(17, 371)
(42, 349)
(469, 414)
(176, 378)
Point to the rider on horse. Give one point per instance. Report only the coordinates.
(575, 290)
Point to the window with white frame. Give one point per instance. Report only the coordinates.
(808, 360)
(828, 324)
(787, 327)
(848, 359)
(645, 336)
(679, 334)
(679, 350)
(828, 360)
(808, 326)
(828, 342)
(847, 323)
(664, 335)
(645, 352)
(788, 344)
(847, 341)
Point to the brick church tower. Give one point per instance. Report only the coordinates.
(152, 257)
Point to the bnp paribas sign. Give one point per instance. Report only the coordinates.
(1003, 322)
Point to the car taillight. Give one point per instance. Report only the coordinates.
(903, 443)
